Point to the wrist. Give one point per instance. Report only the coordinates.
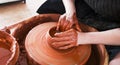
(69, 6)
(71, 14)
(86, 38)
(82, 39)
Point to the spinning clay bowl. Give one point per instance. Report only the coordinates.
(36, 32)
(9, 49)
(38, 46)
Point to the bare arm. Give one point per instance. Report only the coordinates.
(68, 19)
(109, 37)
(69, 6)
(70, 38)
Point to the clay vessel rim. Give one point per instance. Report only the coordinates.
(49, 37)
(12, 45)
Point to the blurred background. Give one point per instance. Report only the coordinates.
(14, 11)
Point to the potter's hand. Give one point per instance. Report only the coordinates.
(67, 21)
(65, 40)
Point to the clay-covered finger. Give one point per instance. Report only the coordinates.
(66, 33)
(62, 18)
(62, 22)
(61, 44)
(69, 26)
(58, 25)
(66, 22)
(78, 28)
(58, 39)
(66, 47)
(61, 34)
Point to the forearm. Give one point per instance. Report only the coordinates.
(110, 37)
(69, 6)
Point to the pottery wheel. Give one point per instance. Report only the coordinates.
(40, 51)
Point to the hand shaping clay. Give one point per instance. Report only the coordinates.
(39, 52)
(38, 47)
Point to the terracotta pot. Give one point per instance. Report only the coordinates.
(9, 49)
(38, 47)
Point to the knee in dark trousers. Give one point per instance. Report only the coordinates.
(51, 6)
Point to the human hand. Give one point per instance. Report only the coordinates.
(65, 40)
(67, 21)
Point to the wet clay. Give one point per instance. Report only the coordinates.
(38, 47)
(8, 49)
(20, 30)
(5, 54)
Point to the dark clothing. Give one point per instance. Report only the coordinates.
(109, 9)
(52, 6)
(56, 6)
(91, 15)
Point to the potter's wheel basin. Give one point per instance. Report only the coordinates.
(8, 49)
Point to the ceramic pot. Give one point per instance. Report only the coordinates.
(9, 49)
